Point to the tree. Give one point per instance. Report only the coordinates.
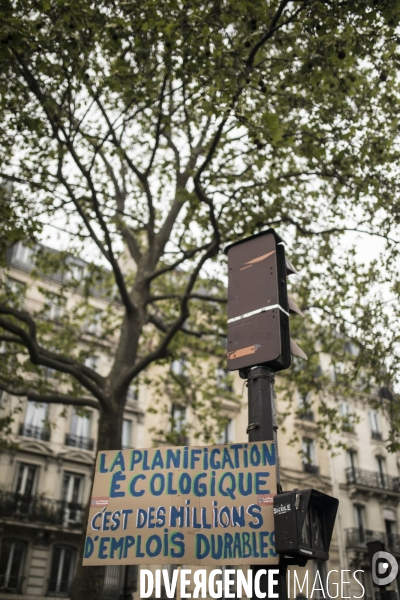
(164, 130)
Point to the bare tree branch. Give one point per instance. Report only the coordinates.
(87, 377)
(308, 232)
(141, 176)
(120, 195)
(272, 28)
(11, 339)
(49, 398)
(205, 297)
(161, 350)
(186, 255)
(157, 134)
(155, 320)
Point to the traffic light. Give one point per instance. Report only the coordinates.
(304, 521)
(258, 304)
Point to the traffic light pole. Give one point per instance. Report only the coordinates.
(263, 427)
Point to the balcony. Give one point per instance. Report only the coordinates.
(41, 510)
(306, 415)
(59, 587)
(358, 538)
(10, 584)
(348, 428)
(38, 433)
(373, 480)
(310, 468)
(77, 441)
(376, 435)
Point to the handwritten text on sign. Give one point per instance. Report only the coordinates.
(183, 505)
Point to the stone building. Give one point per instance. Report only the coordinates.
(45, 482)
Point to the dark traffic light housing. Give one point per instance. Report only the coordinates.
(259, 336)
(304, 521)
(258, 304)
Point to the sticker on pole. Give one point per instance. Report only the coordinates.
(183, 505)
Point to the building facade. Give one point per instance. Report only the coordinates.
(45, 480)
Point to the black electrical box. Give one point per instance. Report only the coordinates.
(304, 521)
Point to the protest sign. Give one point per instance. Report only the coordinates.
(183, 505)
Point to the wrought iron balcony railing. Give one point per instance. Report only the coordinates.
(376, 435)
(307, 415)
(310, 468)
(38, 433)
(373, 479)
(357, 537)
(41, 510)
(78, 441)
(11, 584)
(59, 587)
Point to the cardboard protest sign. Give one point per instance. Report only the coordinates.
(183, 505)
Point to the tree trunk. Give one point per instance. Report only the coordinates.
(89, 581)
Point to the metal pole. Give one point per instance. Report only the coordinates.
(263, 427)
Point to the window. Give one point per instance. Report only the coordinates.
(14, 286)
(80, 425)
(75, 273)
(389, 517)
(180, 367)
(359, 520)
(309, 456)
(26, 479)
(309, 450)
(351, 461)
(178, 424)
(227, 434)
(337, 369)
(48, 372)
(15, 291)
(91, 362)
(126, 441)
(79, 434)
(35, 422)
(92, 324)
(72, 487)
(36, 414)
(22, 254)
(122, 581)
(55, 307)
(71, 494)
(375, 425)
(381, 471)
(133, 391)
(304, 404)
(12, 556)
(351, 349)
(113, 586)
(62, 569)
(223, 378)
(178, 416)
(25, 488)
(347, 419)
